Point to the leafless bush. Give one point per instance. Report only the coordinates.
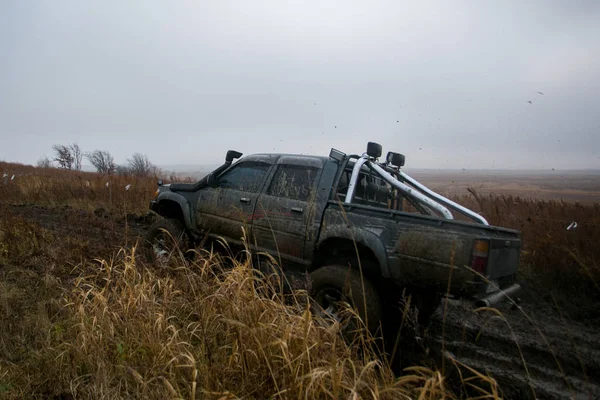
(44, 162)
(123, 170)
(140, 165)
(77, 156)
(102, 160)
(68, 157)
(63, 156)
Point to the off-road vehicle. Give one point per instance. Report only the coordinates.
(357, 225)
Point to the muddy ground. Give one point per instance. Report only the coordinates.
(536, 350)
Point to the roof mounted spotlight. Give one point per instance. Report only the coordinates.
(395, 159)
(336, 154)
(374, 150)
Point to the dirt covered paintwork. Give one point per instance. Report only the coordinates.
(430, 257)
(412, 249)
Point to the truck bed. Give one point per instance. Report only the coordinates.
(426, 251)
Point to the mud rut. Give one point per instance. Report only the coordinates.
(562, 356)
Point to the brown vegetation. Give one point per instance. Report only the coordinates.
(559, 261)
(72, 327)
(80, 318)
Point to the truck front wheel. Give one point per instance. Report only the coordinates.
(332, 285)
(165, 237)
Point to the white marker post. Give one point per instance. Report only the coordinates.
(125, 210)
(109, 192)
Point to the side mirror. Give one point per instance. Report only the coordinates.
(336, 155)
(232, 155)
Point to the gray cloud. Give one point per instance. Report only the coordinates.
(447, 84)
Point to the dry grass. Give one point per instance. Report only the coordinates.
(120, 329)
(84, 190)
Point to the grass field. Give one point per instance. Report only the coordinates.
(81, 315)
(572, 186)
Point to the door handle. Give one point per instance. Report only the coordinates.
(297, 209)
(245, 200)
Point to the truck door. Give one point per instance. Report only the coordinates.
(226, 207)
(284, 210)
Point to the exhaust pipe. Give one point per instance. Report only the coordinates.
(496, 298)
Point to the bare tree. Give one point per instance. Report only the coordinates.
(140, 165)
(102, 160)
(63, 156)
(77, 155)
(44, 162)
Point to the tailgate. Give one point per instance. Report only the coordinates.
(503, 258)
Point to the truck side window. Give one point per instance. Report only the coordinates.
(293, 182)
(246, 177)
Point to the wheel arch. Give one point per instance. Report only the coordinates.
(172, 205)
(344, 243)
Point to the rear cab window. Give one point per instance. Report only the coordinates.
(294, 182)
(373, 191)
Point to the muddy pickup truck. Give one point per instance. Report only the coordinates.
(362, 229)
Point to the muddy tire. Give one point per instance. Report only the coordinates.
(422, 303)
(333, 284)
(165, 238)
(427, 304)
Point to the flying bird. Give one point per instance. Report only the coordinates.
(541, 93)
(529, 101)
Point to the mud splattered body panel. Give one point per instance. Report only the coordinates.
(286, 215)
(423, 251)
(224, 209)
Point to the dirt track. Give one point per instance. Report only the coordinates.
(562, 356)
(99, 229)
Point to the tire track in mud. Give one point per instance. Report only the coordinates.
(99, 226)
(562, 359)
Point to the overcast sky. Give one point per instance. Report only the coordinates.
(449, 84)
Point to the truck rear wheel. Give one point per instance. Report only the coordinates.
(332, 285)
(422, 303)
(165, 237)
(427, 304)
